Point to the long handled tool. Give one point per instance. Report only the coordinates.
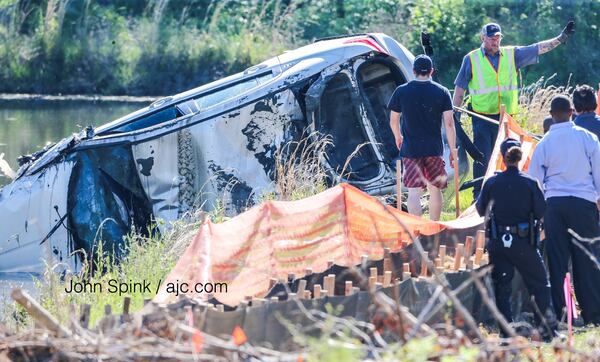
(398, 184)
(456, 181)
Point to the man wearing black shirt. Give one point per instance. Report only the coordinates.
(417, 108)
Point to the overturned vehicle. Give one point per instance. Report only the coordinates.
(216, 141)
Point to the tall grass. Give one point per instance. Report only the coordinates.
(534, 103)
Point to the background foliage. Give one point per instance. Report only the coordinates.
(157, 47)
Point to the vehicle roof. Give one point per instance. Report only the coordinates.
(328, 51)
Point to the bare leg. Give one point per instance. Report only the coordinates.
(414, 201)
(435, 202)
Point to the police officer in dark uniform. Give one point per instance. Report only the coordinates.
(514, 204)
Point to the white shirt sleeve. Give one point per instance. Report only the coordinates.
(536, 166)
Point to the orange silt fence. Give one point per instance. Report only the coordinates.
(277, 238)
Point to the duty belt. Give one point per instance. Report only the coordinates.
(503, 229)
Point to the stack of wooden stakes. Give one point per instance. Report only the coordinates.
(467, 256)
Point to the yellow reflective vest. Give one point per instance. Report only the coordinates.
(488, 88)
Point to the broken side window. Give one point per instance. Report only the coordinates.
(378, 79)
(196, 104)
(153, 119)
(223, 94)
(338, 116)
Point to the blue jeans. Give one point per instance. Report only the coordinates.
(484, 138)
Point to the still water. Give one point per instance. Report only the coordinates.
(27, 126)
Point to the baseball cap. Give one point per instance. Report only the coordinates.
(491, 29)
(423, 63)
(507, 144)
(560, 103)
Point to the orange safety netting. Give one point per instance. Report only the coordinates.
(279, 237)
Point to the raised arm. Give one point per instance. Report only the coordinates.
(547, 45)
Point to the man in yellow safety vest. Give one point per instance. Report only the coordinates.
(490, 75)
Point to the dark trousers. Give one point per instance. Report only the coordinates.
(528, 261)
(581, 216)
(484, 138)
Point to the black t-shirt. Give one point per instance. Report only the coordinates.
(421, 104)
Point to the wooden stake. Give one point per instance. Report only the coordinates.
(372, 281)
(348, 287)
(480, 239)
(478, 256)
(458, 252)
(84, 318)
(505, 123)
(317, 290)
(126, 304)
(387, 278)
(331, 288)
(456, 181)
(424, 265)
(398, 184)
(442, 254)
(301, 287)
(307, 294)
(373, 271)
(469, 241)
(468, 246)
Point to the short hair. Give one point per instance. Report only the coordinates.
(584, 99)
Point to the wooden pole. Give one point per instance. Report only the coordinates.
(424, 265)
(458, 251)
(301, 288)
(469, 251)
(399, 184)
(317, 292)
(41, 315)
(478, 256)
(456, 181)
(442, 254)
(387, 278)
(348, 287)
(502, 113)
(480, 239)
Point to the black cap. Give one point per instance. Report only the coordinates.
(423, 64)
(491, 29)
(508, 144)
(560, 103)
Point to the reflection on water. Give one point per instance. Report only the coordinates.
(27, 126)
